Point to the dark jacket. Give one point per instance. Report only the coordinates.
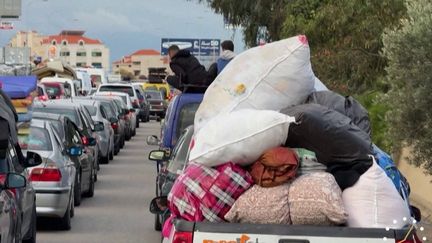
(187, 70)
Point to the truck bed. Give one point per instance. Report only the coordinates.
(257, 233)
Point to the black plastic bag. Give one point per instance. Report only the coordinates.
(337, 142)
(346, 105)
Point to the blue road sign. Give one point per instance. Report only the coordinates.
(198, 47)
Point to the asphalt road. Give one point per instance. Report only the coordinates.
(119, 210)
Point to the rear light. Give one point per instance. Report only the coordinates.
(85, 140)
(45, 174)
(43, 98)
(114, 125)
(182, 237)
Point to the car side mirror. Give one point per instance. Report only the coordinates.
(159, 205)
(113, 120)
(74, 151)
(32, 159)
(99, 127)
(157, 155)
(14, 180)
(152, 140)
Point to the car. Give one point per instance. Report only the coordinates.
(59, 87)
(157, 103)
(124, 103)
(102, 126)
(180, 114)
(127, 88)
(71, 138)
(144, 111)
(114, 117)
(9, 182)
(170, 169)
(42, 93)
(54, 179)
(86, 136)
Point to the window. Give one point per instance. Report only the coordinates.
(54, 42)
(64, 53)
(81, 54)
(81, 64)
(81, 43)
(70, 113)
(97, 64)
(64, 42)
(96, 54)
(39, 139)
(117, 65)
(130, 65)
(92, 110)
(136, 63)
(186, 117)
(137, 72)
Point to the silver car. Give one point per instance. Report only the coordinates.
(54, 179)
(105, 132)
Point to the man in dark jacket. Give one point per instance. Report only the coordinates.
(187, 70)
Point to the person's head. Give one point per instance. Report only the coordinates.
(172, 50)
(227, 45)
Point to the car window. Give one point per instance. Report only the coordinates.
(70, 113)
(87, 118)
(103, 112)
(38, 139)
(40, 91)
(114, 88)
(91, 109)
(58, 127)
(154, 95)
(76, 137)
(186, 117)
(14, 159)
(180, 153)
(109, 109)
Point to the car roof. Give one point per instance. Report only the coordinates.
(47, 116)
(86, 101)
(39, 123)
(109, 93)
(64, 103)
(117, 84)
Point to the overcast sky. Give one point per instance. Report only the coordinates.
(124, 25)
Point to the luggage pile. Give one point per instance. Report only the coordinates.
(22, 91)
(273, 146)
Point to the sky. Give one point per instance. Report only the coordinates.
(124, 25)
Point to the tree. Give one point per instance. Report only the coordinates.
(345, 38)
(409, 53)
(125, 75)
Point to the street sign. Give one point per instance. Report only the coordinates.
(198, 47)
(10, 9)
(6, 25)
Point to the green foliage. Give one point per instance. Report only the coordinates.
(409, 53)
(345, 37)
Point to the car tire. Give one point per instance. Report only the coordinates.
(30, 237)
(122, 144)
(134, 133)
(111, 155)
(90, 192)
(72, 207)
(65, 222)
(157, 223)
(77, 190)
(137, 123)
(105, 159)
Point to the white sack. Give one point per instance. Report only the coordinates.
(270, 77)
(240, 137)
(374, 202)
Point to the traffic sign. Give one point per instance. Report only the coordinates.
(6, 25)
(198, 47)
(10, 9)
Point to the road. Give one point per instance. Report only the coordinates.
(119, 210)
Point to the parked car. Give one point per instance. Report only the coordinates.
(144, 111)
(169, 170)
(58, 88)
(102, 126)
(127, 88)
(123, 101)
(54, 179)
(71, 138)
(180, 114)
(157, 103)
(114, 117)
(9, 218)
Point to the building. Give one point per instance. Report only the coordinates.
(69, 46)
(138, 63)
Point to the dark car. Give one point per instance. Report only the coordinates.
(71, 137)
(157, 103)
(118, 121)
(171, 169)
(144, 111)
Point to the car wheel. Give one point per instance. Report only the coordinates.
(134, 133)
(105, 159)
(65, 222)
(122, 144)
(90, 192)
(72, 204)
(157, 223)
(137, 123)
(31, 234)
(77, 190)
(111, 155)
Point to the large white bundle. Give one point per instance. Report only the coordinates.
(374, 202)
(240, 137)
(269, 77)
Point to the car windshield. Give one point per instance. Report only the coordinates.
(70, 113)
(180, 153)
(186, 117)
(114, 88)
(154, 95)
(91, 109)
(38, 139)
(53, 89)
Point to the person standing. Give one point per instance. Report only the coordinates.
(227, 55)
